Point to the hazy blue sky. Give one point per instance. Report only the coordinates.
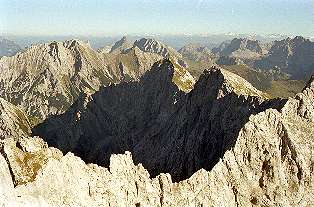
(117, 17)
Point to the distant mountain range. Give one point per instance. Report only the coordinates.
(51, 76)
(63, 70)
(175, 41)
(8, 47)
(293, 56)
(128, 125)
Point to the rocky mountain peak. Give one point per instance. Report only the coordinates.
(151, 45)
(300, 39)
(244, 49)
(51, 76)
(217, 146)
(76, 43)
(243, 44)
(154, 46)
(293, 56)
(156, 102)
(168, 70)
(122, 44)
(230, 83)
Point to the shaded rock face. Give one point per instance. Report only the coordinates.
(293, 56)
(242, 48)
(196, 53)
(165, 129)
(121, 45)
(226, 60)
(270, 164)
(8, 47)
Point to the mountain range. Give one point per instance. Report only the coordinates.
(8, 47)
(294, 56)
(137, 123)
(47, 78)
(223, 140)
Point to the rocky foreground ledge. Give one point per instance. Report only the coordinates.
(271, 164)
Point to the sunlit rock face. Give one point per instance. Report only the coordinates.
(46, 79)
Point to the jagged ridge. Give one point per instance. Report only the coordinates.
(164, 128)
(270, 164)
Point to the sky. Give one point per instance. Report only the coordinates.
(117, 17)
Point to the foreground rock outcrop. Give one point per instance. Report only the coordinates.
(271, 164)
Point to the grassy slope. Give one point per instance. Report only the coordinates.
(285, 88)
(257, 79)
(197, 68)
(280, 88)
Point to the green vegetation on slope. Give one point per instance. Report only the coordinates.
(261, 81)
(196, 68)
(285, 88)
(258, 79)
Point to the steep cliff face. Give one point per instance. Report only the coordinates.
(120, 46)
(153, 46)
(165, 129)
(196, 52)
(13, 121)
(47, 78)
(294, 56)
(270, 164)
(241, 48)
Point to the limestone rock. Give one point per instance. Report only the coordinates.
(165, 129)
(13, 121)
(293, 56)
(196, 53)
(26, 156)
(223, 143)
(47, 78)
(244, 49)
